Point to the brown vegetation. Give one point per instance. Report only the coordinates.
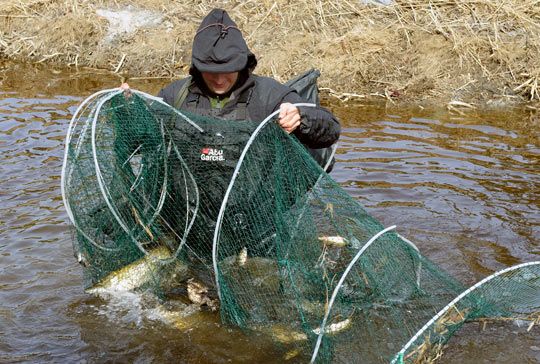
(461, 54)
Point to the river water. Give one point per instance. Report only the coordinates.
(466, 190)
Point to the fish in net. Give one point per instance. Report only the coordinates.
(156, 195)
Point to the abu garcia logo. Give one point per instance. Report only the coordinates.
(213, 155)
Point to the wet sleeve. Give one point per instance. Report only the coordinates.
(166, 95)
(319, 128)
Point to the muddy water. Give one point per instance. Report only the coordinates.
(466, 190)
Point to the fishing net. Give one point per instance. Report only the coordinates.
(155, 195)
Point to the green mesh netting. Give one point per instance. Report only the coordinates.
(156, 196)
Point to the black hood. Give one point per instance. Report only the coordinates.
(218, 46)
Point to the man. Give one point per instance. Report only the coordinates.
(222, 86)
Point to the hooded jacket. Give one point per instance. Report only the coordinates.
(218, 47)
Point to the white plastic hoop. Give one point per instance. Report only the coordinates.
(454, 301)
(65, 178)
(231, 183)
(340, 283)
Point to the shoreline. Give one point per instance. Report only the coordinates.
(459, 56)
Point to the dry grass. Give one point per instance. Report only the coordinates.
(465, 52)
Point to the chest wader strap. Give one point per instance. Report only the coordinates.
(241, 106)
(182, 94)
(191, 104)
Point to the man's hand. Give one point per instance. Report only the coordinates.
(125, 87)
(289, 119)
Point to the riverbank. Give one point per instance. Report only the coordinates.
(460, 55)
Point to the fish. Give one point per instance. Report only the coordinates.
(242, 257)
(291, 354)
(264, 277)
(334, 328)
(286, 335)
(183, 319)
(333, 240)
(198, 294)
(136, 274)
(258, 272)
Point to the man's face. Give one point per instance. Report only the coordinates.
(219, 83)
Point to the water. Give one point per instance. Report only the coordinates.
(466, 190)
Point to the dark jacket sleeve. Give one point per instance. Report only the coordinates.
(319, 128)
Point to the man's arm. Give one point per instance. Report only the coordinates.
(315, 127)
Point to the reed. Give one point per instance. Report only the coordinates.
(472, 52)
